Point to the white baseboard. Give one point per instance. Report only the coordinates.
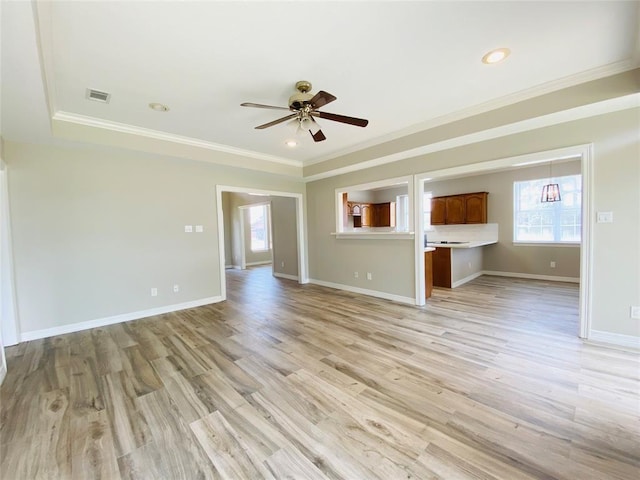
(228, 266)
(614, 339)
(253, 264)
(532, 276)
(125, 317)
(466, 279)
(364, 291)
(285, 275)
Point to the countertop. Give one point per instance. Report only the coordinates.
(429, 249)
(480, 243)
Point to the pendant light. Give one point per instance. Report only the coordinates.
(551, 191)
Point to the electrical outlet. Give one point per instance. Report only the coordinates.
(282, 264)
(469, 264)
(552, 264)
(355, 274)
(635, 312)
(154, 292)
(369, 276)
(176, 288)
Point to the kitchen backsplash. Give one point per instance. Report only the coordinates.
(463, 233)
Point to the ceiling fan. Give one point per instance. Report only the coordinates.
(305, 107)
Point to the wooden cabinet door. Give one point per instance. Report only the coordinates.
(428, 274)
(442, 267)
(367, 215)
(383, 215)
(438, 211)
(455, 212)
(476, 207)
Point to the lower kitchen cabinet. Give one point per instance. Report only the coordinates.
(442, 267)
(428, 274)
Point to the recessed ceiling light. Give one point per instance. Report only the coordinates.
(495, 56)
(291, 143)
(158, 107)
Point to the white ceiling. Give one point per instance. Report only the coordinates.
(399, 64)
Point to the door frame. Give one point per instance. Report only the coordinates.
(584, 152)
(303, 269)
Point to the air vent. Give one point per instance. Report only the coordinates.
(98, 96)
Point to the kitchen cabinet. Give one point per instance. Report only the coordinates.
(475, 207)
(459, 209)
(384, 214)
(372, 214)
(428, 274)
(441, 262)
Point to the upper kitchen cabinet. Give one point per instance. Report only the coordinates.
(459, 209)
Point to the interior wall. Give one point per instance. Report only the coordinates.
(285, 236)
(505, 256)
(226, 214)
(616, 182)
(94, 229)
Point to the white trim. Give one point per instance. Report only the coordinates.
(125, 317)
(364, 291)
(464, 280)
(577, 113)
(614, 339)
(10, 325)
(586, 250)
(285, 275)
(74, 118)
(264, 262)
(3, 373)
(546, 244)
(532, 276)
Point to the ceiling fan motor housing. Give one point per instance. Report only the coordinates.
(298, 100)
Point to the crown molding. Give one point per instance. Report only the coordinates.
(536, 91)
(585, 111)
(87, 121)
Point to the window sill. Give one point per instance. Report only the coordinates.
(371, 235)
(546, 244)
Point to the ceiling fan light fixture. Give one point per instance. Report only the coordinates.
(291, 143)
(496, 56)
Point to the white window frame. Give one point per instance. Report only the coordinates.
(403, 213)
(555, 208)
(267, 226)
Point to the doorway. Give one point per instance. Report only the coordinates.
(287, 232)
(582, 152)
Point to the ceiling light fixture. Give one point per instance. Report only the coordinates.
(291, 143)
(551, 191)
(158, 107)
(496, 56)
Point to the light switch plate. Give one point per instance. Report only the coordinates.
(605, 217)
(635, 312)
(188, 228)
(199, 229)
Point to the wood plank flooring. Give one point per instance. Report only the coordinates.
(488, 381)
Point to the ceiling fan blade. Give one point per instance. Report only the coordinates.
(259, 105)
(321, 98)
(275, 122)
(318, 136)
(358, 122)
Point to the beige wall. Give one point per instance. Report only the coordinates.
(506, 256)
(616, 187)
(94, 229)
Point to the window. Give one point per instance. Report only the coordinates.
(260, 231)
(426, 210)
(554, 222)
(402, 213)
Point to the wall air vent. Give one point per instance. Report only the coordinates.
(98, 96)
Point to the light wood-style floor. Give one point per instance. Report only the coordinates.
(489, 381)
